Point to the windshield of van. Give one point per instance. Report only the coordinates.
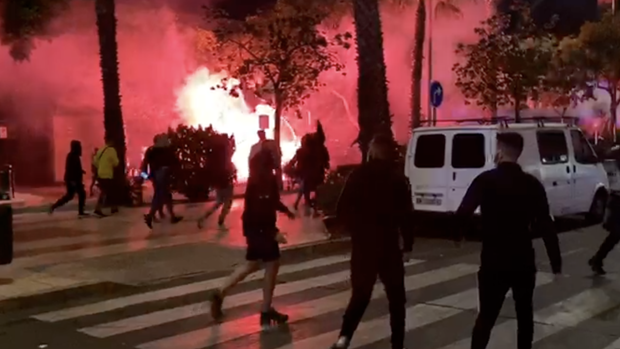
(430, 151)
(468, 150)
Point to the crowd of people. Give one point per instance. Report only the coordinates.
(376, 209)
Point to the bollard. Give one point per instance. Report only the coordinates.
(7, 187)
(6, 233)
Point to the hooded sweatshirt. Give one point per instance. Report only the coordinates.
(74, 173)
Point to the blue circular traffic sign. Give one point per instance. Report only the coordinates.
(436, 94)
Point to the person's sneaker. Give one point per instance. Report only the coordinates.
(148, 220)
(50, 210)
(270, 318)
(217, 300)
(176, 219)
(220, 221)
(83, 215)
(596, 266)
(341, 343)
(114, 211)
(201, 223)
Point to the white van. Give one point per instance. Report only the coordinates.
(442, 162)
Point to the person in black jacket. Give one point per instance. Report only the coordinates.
(161, 161)
(375, 206)
(513, 205)
(74, 179)
(262, 202)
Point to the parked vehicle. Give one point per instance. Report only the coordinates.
(442, 162)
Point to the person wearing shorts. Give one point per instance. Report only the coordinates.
(262, 202)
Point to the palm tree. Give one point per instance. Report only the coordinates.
(372, 93)
(442, 7)
(108, 60)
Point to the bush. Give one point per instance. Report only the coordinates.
(203, 153)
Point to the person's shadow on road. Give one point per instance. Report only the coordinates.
(275, 338)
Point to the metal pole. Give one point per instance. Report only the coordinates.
(429, 109)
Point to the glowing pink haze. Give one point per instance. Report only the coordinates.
(156, 61)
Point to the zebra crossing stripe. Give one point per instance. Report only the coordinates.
(469, 299)
(174, 314)
(122, 302)
(418, 316)
(614, 345)
(231, 330)
(372, 331)
(550, 320)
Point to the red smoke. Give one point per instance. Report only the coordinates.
(156, 57)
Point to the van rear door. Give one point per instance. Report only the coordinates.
(428, 170)
(469, 155)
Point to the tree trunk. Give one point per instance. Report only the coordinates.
(372, 96)
(108, 59)
(418, 59)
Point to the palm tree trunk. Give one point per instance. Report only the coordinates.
(418, 58)
(372, 94)
(108, 55)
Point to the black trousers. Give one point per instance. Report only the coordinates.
(72, 190)
(492, 289)
(364, 274)
(607, 246)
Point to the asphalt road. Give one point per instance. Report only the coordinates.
(576, 312)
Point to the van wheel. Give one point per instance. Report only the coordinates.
(597, 209)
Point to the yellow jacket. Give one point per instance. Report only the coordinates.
(105, 161)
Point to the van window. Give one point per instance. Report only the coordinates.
(552, 147)
(430, 151)
(468, 150)
(584, 154)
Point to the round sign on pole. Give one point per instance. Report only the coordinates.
(436, 94)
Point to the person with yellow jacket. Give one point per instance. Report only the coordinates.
(105, 161)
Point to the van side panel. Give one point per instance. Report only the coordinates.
(471, 154)
(427, 170)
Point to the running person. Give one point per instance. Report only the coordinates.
(262, 202)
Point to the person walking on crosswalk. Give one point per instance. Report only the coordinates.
(611, 224)
(375, 206)
(513, 204)
(262, 202)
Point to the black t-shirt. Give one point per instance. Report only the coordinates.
(159, 157)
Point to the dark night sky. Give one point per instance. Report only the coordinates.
(572, 13)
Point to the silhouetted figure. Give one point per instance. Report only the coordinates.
(262, 202)
(74, 179)
(93, 173)
(145, 169)
(311, 162)
(611, 224)
(162, 161)
(511, 203)
(375, 207)
(223, 176)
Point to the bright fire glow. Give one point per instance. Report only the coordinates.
(201, 102)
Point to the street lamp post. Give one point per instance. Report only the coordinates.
(431, 113)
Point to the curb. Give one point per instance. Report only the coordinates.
(91, 206)
(62, 295)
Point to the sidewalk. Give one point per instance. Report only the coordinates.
(60, 251)
(40, 199)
